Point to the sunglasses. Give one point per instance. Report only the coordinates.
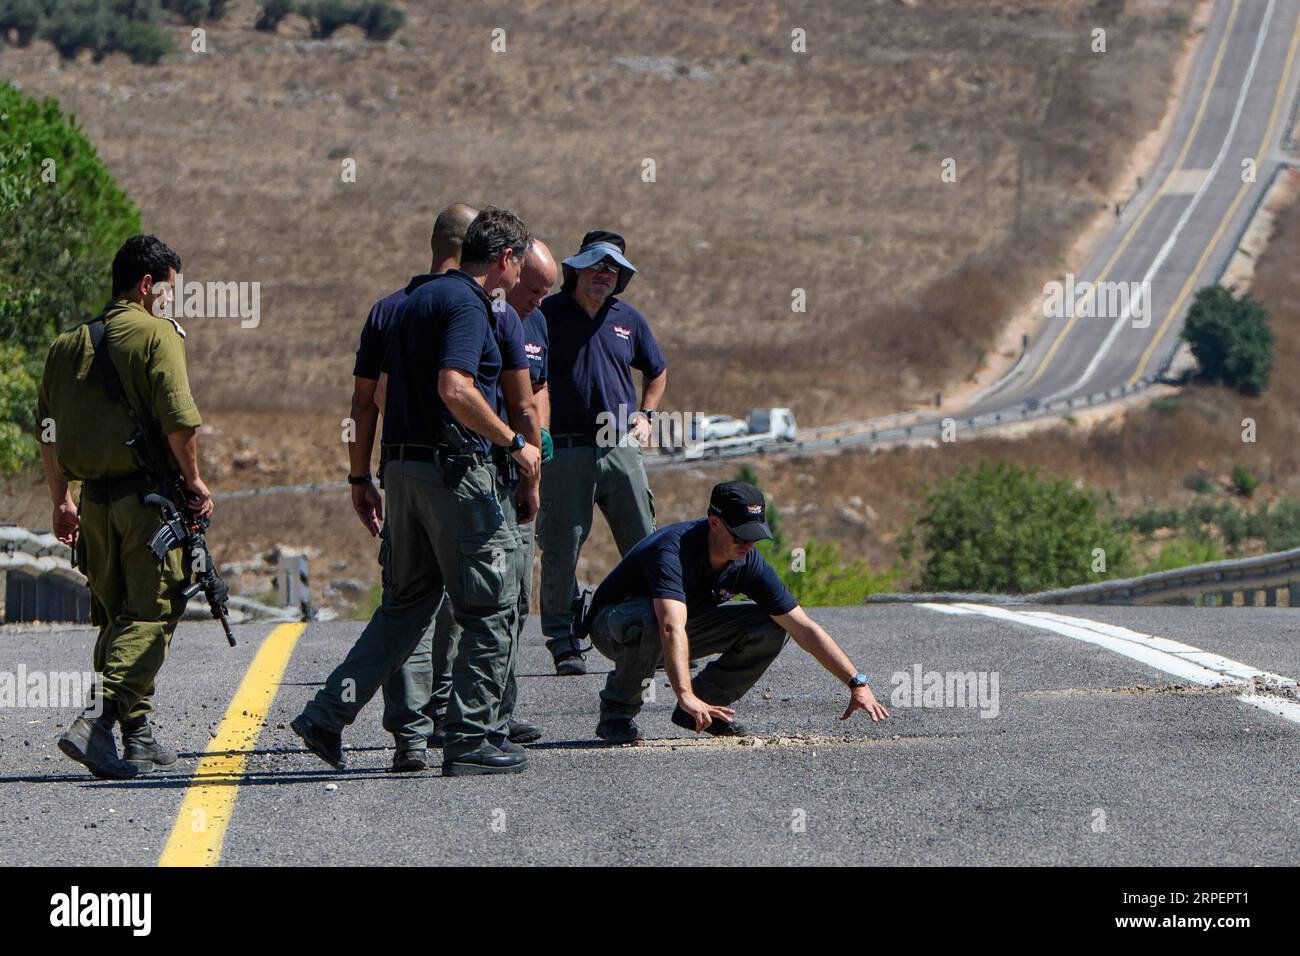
(734, 537)
(605, 266)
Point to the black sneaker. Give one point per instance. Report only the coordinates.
(618, 730)
(141, 749)
(568, 665)
(508, 746)
(485, 760)
(409, 761)
(91, 744)
(718, 728)
(323, 743)
(522, 732)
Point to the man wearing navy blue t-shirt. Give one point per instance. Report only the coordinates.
(451, 514)
(597, 426)
(670, 598)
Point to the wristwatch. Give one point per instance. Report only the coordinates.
(858, 680)
(649, 414)
(517, 443)
(359, 479)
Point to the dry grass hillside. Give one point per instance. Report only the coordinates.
(775, 170)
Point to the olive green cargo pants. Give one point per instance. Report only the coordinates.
(135, 599)
(463, 539)
(574, 482)
(425, 678)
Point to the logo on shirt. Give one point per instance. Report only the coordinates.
(534, 351)
(623, 332)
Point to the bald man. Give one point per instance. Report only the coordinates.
(535, 282)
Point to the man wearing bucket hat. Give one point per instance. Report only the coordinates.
(671, 598)
(596, 424)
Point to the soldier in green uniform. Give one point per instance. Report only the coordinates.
(136, 600)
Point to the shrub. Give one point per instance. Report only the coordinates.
(327, 16)
(103, 26)
(1183, 552)
(1231, 340)
(1244, 481)
(822, 578)
(273, 11)
(380, 20)
(23, 17)
(57, 240)
(191, 11)
(1003, 529)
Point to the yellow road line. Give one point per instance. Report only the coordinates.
(200, 827)
(1232, 210)
(1137, 223)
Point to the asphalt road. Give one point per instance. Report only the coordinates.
(1092, 758)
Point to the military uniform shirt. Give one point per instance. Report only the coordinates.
(91, 428)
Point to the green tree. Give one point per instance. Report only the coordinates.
(272, 12)
(1231, 340)
(1002, 529)
(61, 220)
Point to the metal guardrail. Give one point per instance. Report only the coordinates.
(1215, 584)
(42, 585)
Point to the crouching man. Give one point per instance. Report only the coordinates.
(670, 598)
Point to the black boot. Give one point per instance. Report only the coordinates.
(89, 741)
(141, 749)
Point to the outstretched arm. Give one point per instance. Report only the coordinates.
(809, 635)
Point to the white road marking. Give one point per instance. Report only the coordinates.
(1172, 241)
(1173, 657)
(1279, 706)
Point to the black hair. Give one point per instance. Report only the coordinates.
(142, 256)
(492, 232)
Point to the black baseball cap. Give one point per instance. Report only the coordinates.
(742, 509)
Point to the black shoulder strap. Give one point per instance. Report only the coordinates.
(103, 362)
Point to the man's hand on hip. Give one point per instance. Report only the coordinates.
(641, 430)
(861, 698)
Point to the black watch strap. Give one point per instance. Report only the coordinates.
(359, 479)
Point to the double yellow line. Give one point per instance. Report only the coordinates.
(200, 828)
(1164, 186)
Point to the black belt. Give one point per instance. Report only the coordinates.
(119, 486)
(574, 441)
(425, 453)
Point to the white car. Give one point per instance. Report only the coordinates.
(714, 427)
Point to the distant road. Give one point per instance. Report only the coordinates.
(1177, 234)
